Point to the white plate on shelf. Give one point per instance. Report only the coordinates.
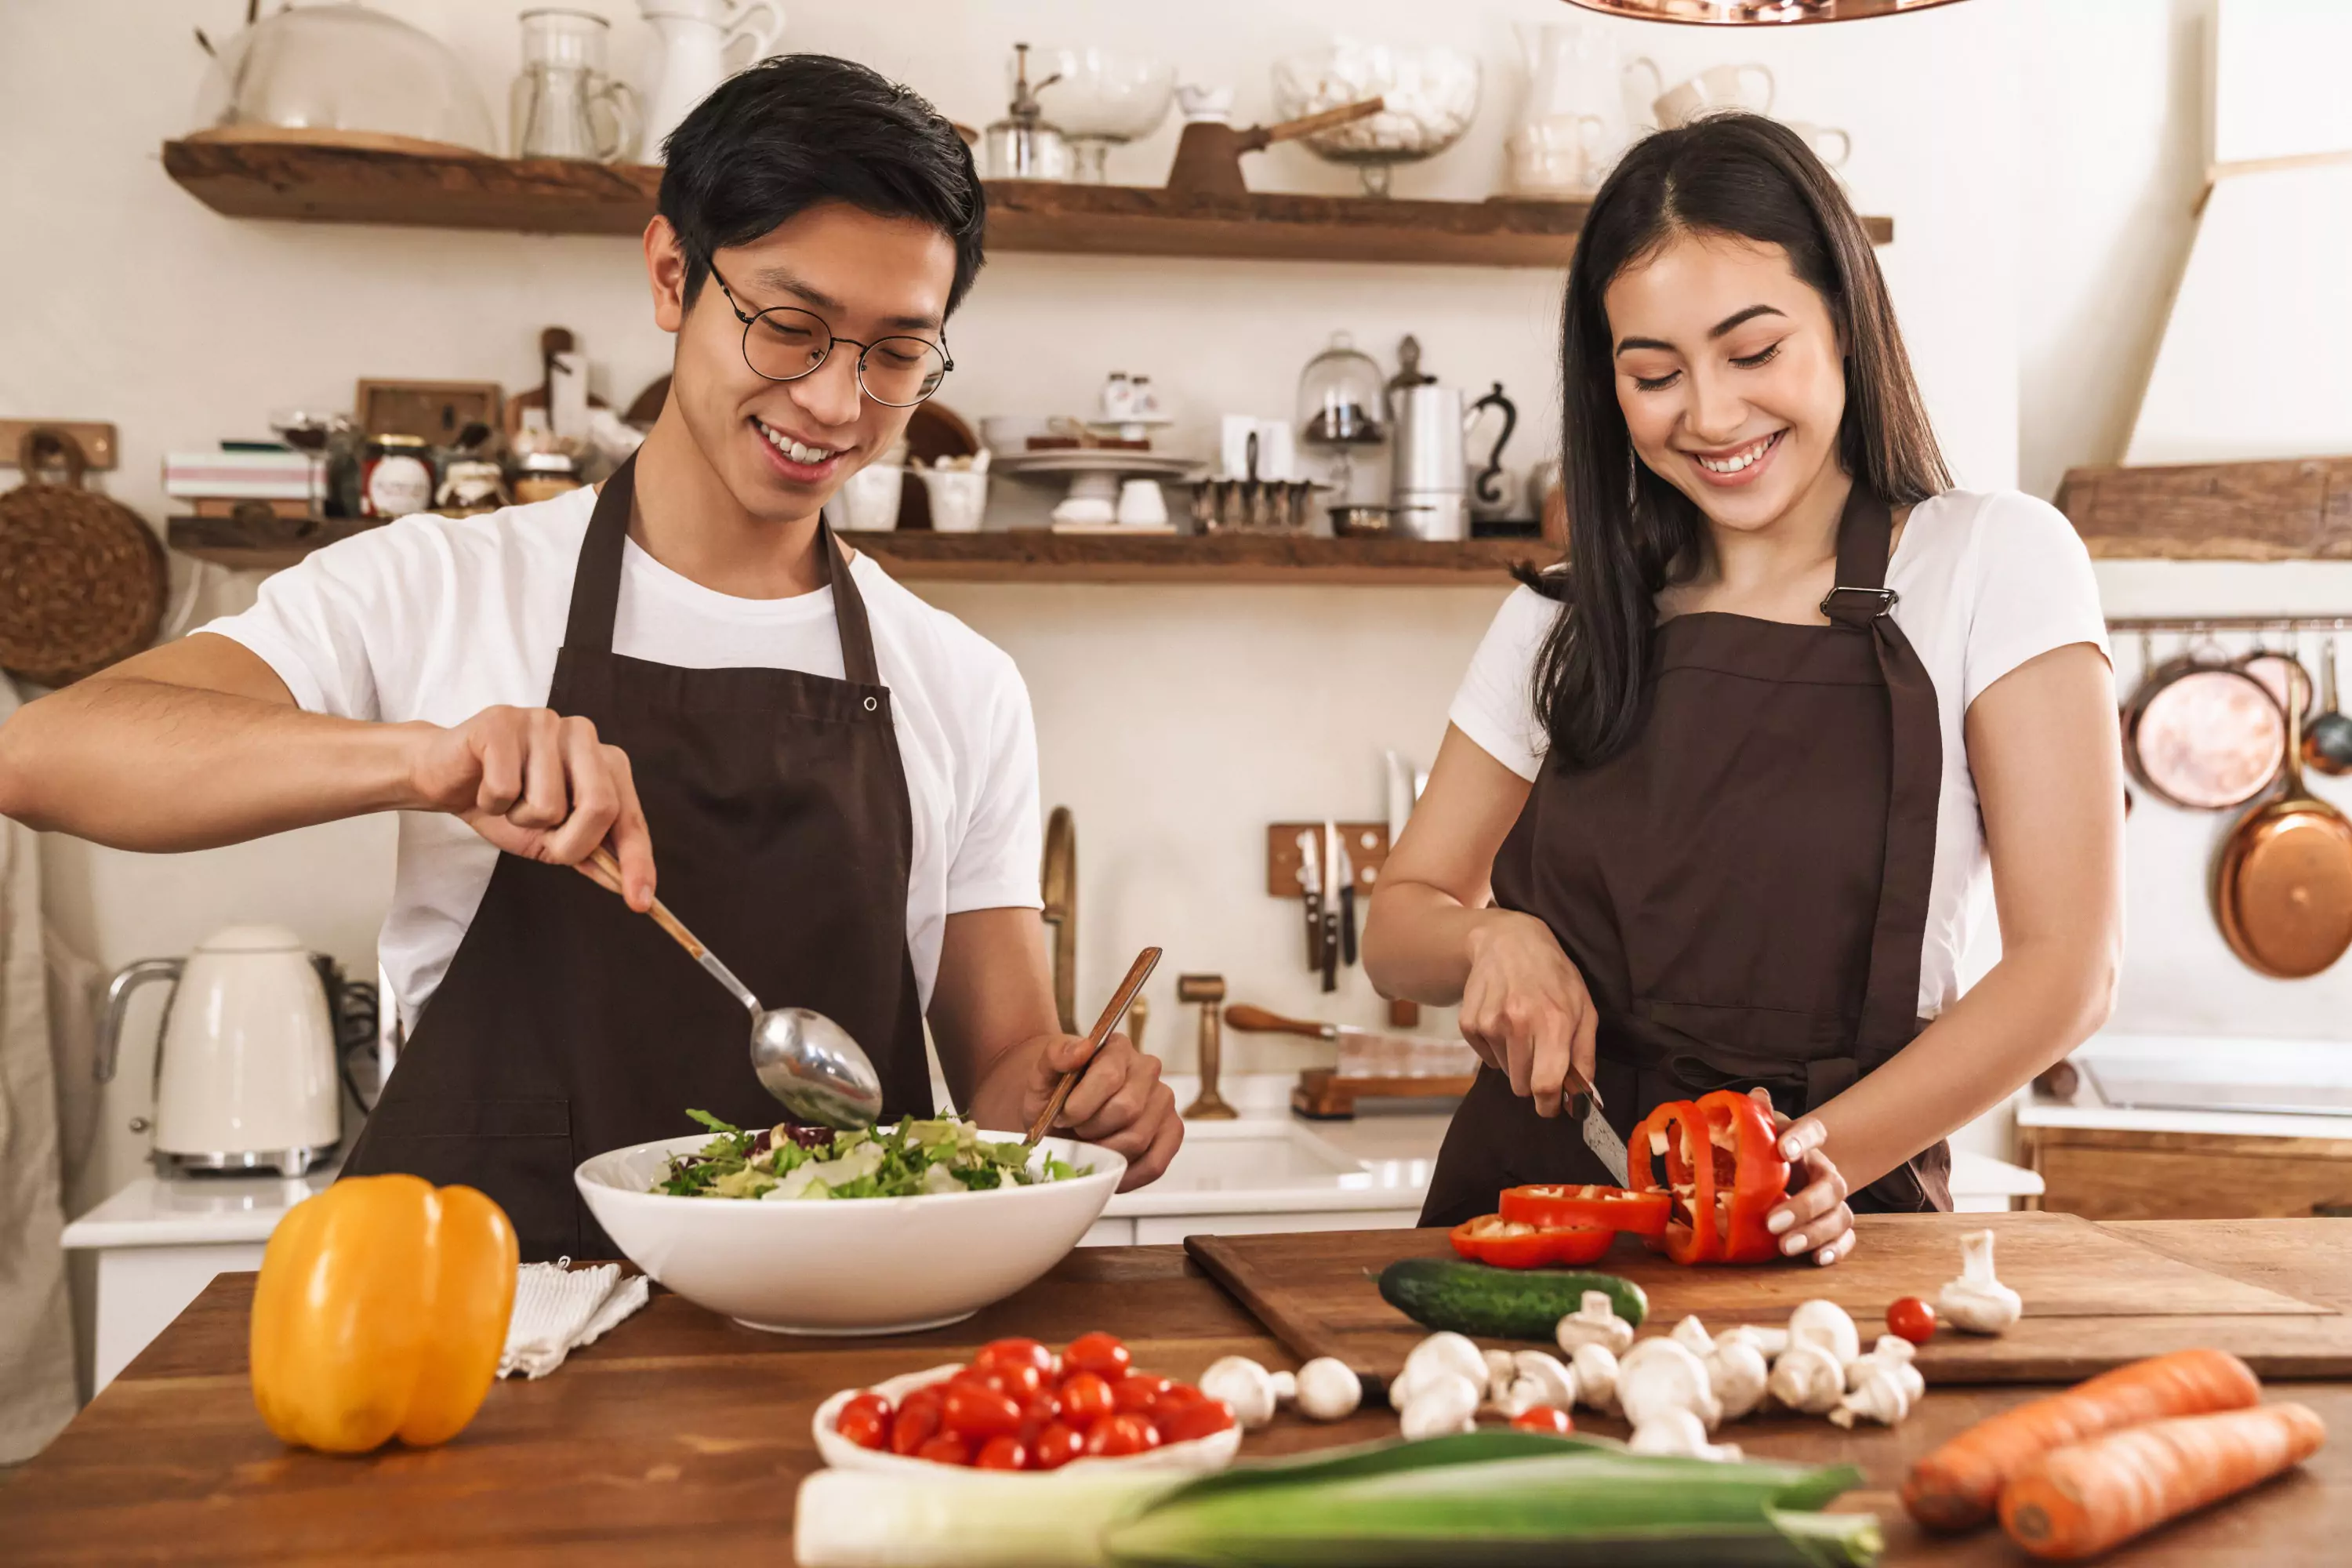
(1098, 461)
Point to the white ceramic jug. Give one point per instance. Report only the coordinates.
(697, 37)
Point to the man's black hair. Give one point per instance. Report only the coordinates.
(798, 131)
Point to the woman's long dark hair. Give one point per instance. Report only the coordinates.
(1630, 531)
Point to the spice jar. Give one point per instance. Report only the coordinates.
(545, 476)
(471, 484)
(396, 478)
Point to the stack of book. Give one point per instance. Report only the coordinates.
(217, 484)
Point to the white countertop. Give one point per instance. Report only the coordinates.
(2205, 1072)
(1268, 1162)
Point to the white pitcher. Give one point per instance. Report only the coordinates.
(697, 37)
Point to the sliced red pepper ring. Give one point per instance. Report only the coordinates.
(1741, 1133)
(1587, 1208)
(1678, 1133)
(1508, 1244)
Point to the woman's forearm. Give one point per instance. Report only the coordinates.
(2036, 1004)
(1420, 940)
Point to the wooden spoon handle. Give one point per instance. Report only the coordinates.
(1258, 1021)
(1137, 973)
(601, 869)
(1329, 118)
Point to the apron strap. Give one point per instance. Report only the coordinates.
(1861, 601)
(597, 583)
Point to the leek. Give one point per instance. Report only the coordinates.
(1492, 1498)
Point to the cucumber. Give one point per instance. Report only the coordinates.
(1500, 1304)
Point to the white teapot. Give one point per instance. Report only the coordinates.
(697, 37)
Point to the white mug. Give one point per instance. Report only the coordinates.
(1718, 87)
(1143, 504)
(1558, 155)
(958, 499)
(1821, 138)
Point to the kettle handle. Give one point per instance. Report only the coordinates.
(1484, 487)
(118, 1003)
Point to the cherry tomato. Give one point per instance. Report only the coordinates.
(917, 1420)
(1543, 1418)
(1056, 1445)
(1114, 1436)
(973, 1411)
(1097, 1354)
(1174, 1398)
(1019, 1383)
(999, 1353)
(1038, 1414)
(1001, 1454)
(1086, 1399)
(1200, 1419)
(947, 1448)
(1136, 1392)
(866, 1421)
(1913, 1319)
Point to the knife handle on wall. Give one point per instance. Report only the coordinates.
(1348, 926)
(1314, 932)
(1331, 944)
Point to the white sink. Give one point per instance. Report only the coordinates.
(1257, 1164)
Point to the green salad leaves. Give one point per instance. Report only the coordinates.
(912, 1159)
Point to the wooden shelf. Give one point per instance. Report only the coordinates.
(550, 195)
(2291, 508)
(225, 541)
(1037, 556)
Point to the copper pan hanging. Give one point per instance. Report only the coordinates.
(2203, 734)
(2283, 885)
(2281, 672)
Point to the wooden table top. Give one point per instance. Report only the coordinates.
(681, 1437)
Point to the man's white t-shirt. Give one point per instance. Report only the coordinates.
(1985, 581)
(437, 618)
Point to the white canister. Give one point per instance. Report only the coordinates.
(958, 499)
(869, 498)
(1143, 504)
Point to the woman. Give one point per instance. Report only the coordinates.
(1730, 775)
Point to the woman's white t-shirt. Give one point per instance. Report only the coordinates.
(437, 618)
(1985, 581)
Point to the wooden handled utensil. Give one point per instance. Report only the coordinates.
(1208, 156)
(1137, 974)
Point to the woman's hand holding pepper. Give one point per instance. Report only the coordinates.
(1526, 1012)
(1815, 1218)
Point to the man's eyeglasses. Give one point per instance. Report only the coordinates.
(785, 344)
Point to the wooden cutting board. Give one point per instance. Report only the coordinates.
(2093, 1299)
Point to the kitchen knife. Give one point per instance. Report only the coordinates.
(1331, 896)
(1365, 1053)
(1346, 876)
(1603, 1139)
(1311, 881)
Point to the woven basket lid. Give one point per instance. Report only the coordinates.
(82, 579)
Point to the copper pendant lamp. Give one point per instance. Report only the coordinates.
(1756, 12)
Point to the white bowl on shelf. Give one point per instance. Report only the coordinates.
(850, 1266)
(1213, 1452)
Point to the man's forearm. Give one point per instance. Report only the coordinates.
(143, 765)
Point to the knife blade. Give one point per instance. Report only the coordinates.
(1330, 906)
(1310, 880)
(1603, 1139)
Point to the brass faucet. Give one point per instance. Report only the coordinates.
(1060, 880)
(1208, 990)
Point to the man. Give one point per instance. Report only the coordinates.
(836, 782)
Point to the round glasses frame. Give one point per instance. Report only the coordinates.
(750, 319)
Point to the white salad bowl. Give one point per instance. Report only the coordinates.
(1194, 1457)
(847, 1265)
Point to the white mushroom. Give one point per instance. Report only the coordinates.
(1328, 1389)
(1499, 1373)
(1440, 1353)
(1536, 1379)
(1595, 1322)
(1770, 1341)
(1808, 1377)
(1739, 1374)
(1882, 1386)
(1977, 1302)
(1249, 1388)
(1692, 1335)
(1827, 1324)
(1679, 1433)
(1439, 1402)
(1662, 1375)
(1593, 1368)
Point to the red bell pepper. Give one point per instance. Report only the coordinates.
(1508, 1244)
(1678, 1131)
(1587, 1208)
(1741, 1133)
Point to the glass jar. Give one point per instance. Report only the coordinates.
(397, 477)
(1342, 397)
(545, 476)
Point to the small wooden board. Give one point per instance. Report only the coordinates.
(1322, 1095)
(2093, 1299)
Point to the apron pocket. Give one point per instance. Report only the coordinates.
(518, 1151)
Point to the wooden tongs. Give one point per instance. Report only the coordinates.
(1209, 157)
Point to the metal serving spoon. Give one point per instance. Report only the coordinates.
(2327, 738)
(805, 1059)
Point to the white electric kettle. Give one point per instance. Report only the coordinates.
(245, 1069)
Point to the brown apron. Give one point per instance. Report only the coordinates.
(568, 1024)
(1744, 888)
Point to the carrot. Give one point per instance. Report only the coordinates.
(1958, 1485)
(2077, 1501)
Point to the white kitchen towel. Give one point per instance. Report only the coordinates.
(558, 1308)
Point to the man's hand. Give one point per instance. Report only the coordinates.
(1121, 1102)
(541, 786)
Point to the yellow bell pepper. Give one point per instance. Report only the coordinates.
(380, 1313)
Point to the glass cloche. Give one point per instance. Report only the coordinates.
(342, 68)
(1342, 397)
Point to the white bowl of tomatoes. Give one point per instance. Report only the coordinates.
(1019, 1408)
